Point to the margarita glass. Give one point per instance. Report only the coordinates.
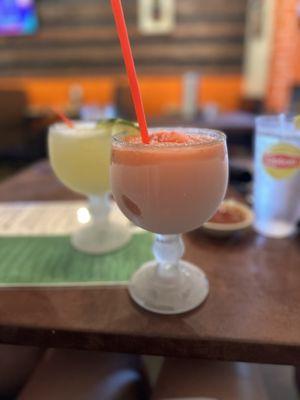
(80, 158)
(170, 186)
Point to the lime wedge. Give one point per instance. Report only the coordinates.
(118, 125)
(124, 126)
(106, 124)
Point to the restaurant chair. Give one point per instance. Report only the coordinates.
(16, 365)
(197, 379)
(87, 375)
(13, 105)
(123, 101)
(21, 142)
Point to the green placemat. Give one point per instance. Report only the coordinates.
(52, 260)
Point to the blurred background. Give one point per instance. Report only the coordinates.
(213, 63)
(204, 63)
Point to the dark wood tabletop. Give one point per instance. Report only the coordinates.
(252, 312)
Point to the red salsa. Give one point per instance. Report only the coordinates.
(228, 214)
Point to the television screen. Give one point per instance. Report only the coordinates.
(17, 17)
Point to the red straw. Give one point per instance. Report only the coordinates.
(130, 68)
(63, 117)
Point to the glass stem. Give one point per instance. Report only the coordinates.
(99, 207)
(168, 250)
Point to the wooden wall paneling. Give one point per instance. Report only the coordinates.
(78, 37)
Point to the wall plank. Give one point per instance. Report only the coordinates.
(78, 37)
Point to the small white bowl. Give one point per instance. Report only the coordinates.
(223, 229)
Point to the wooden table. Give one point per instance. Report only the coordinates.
(252, 312)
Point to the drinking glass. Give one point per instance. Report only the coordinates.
(169, 189)
(276, 176)
(80, 158)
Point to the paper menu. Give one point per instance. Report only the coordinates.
(47, 218)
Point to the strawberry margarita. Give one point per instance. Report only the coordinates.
(174, 184)
(169, 186)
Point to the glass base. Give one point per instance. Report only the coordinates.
(277, 229)
(95, 239)
(171, 293)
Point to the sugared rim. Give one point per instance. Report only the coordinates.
(81, 129)
(216, 137)
(82, 125)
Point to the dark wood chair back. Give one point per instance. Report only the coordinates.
(13, 105)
